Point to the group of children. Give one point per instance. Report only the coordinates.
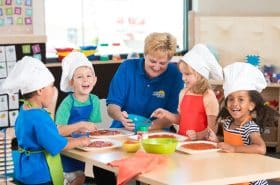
(242, 116)
(41, 139)
(244, 112)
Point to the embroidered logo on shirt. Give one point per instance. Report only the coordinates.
(159, 94)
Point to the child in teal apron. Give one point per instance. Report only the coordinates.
(80, 110)
(37, 160)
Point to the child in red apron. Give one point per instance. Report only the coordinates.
(37, 160)
(245, 111)
(80, 110)
(198, 105)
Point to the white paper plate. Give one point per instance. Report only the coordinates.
(123, 133)
(115, 143)
(192, 151)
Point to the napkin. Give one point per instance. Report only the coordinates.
(139, 163)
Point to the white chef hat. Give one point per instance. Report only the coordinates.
(70, 63)
(242, 76)
(204, 62)
(28, 75)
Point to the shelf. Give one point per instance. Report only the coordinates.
(271, 143)
(22, 39)
(58, 64)
(275, 85)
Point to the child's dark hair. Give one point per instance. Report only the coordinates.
(28, 95)
(264, 115)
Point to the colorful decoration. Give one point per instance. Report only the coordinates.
(253, 59)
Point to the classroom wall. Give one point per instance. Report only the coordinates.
(247, 7)
(39, 27)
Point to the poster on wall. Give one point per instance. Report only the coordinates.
(12, 117)
(3, 102)
(2, 54)
(13, 101)
(16, 17)
(3, 70)
(4, 121)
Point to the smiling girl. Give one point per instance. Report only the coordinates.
(245, 111)
(198, 106)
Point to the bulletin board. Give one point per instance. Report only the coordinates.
(16, 17)
(9, 104)
(9, 55)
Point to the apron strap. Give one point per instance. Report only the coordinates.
(55, 167)
(54, 164)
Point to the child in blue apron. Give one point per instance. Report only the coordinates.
(37, 160)
(80, 110)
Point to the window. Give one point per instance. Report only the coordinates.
(72, 23)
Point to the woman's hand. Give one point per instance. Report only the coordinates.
(127, 123)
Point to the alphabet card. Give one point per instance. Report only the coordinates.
(11, 53)
(2, 54)
(4, 119)
(13, 101)
(3, 70)
(12, 117)
(3, 102)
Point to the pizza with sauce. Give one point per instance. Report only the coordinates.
(105, 132)
(199, 146)
(194, 147)
(100, 144)
(108, 133)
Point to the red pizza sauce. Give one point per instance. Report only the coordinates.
(199, 146)
(105, 133)
(100, 144)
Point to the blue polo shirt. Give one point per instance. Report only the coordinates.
(136, 93)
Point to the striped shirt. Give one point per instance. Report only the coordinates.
(245, 130)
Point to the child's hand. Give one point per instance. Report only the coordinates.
(212, 136)
(84, 141)
(191, 134)
(159, 113)
(87, 126)
(226, 147)
(155, 126)
(127, 123)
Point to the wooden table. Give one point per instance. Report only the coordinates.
(199, 169)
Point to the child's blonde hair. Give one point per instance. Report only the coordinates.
(201, 85)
